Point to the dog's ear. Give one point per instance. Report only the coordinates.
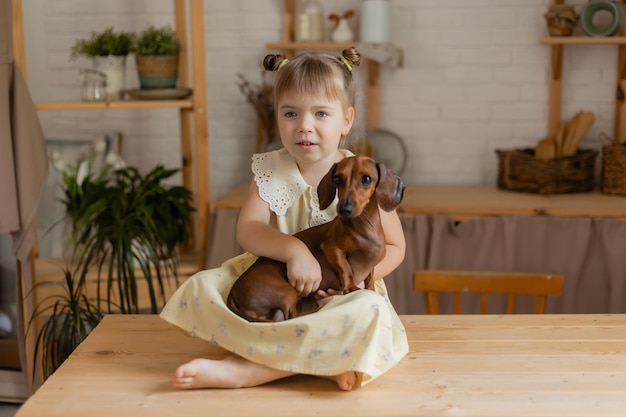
(390, 188)
(327, 189)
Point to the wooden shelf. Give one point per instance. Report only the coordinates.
(557, 45)
(387, 53)
(582, 40)
(189, 23)
(111, 105)
(293, 46)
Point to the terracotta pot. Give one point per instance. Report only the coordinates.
(157, 71)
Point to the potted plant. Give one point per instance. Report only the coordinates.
(126, 226)
(122, 222)
(156, 51)
(108, 51)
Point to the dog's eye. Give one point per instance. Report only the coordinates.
(366, 180)
(337, 180)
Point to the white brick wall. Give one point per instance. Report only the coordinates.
(475, 79)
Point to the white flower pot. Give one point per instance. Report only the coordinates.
(114, 67)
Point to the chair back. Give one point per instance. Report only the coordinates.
(510, 283)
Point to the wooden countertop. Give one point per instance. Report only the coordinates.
(466, 202)
(473, 365)
(457, 201)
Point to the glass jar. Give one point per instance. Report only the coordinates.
(93, 85)
(310, 22)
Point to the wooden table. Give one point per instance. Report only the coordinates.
(550, 365)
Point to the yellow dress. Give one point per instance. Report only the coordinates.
(358, 332)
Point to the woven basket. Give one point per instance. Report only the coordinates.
(519, 170)
(560, 27)
(614, 169)
(159, 71)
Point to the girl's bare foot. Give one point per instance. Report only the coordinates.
(236, 372)
(230, 372)
(346, 380)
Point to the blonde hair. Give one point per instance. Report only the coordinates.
(316, 73)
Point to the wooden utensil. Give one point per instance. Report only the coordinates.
(569, 131)
(558, 140)
(581, 124)
(545, 149)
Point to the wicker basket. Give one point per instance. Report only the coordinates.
(614, 169)
(519, 170)
(160, 71)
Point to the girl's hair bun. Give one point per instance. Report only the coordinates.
(352, 55)
(272, 62)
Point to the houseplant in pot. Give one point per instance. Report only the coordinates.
(108, 50)
(156, 51)
(125, 230)
(125, 227)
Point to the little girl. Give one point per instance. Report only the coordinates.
(353, 338)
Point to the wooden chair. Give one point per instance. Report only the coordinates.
(484, 283)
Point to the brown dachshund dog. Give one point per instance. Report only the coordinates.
(347, 248)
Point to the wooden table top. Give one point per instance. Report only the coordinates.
(465, 202)
(472, 365)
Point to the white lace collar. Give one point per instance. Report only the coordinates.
(280, 184)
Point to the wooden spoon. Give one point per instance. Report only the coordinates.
(545, 149)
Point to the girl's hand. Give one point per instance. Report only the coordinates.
(304, 272)
(323, 294)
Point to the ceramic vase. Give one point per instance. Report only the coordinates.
(343, 32)
(114, 67)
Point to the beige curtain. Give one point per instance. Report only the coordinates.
(589, 252)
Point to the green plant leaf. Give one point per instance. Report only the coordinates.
(108, 42)
(123, 222)
(156, 41)
(67, 322)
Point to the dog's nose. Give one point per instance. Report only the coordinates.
(346, 209)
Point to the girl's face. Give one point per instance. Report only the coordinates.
(312, 126)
